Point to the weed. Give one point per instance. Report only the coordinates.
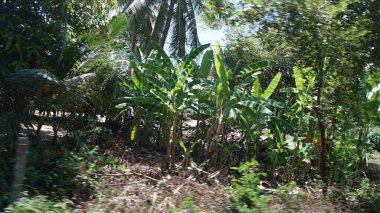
(370, 195)
(39, 204)
(246, 194)
(187, 205)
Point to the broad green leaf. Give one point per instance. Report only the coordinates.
(270, 102)
(256, 67)
(183, 146)
(178, 86)
(243, 119)
(280, 136)
(204, 70)
(299, 79)
(256, 90)
(272, 86)
(180, 83)
(194, 53)
(221, 71)
(155, 69)
(180, 99)
(255, 106)
(135, 79)
(159, 83)
(121, 106)
(164, 99)
(141, 100)
(263, 109)
(164, 56)
(231, 113)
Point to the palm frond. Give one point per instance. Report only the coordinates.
(178, 38)
(191, 28)
(160, 22)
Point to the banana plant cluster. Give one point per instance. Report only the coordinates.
(171, 89)
(293, 136)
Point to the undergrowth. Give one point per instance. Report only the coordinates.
(246, 196)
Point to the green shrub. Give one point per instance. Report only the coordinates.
(39, 204)
(370, 195)
(285, 190)
(344, 162)
(72, 176)
(245, 194)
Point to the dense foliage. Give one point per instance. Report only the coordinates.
(296, 89)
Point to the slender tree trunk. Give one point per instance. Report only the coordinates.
(173, 141)
(322, 132)
(65, 34)
(55, 127)
(168, 23)
(136, 128)
(40, 124)
(169, 132)
(19, 169)
(134, 43)
(214, 137)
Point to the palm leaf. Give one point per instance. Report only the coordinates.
(178, 37)
(191, 27)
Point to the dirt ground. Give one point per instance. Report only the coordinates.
(145, 187)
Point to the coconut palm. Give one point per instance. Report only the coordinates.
(153, 20)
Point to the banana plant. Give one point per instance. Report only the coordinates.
(138, 90)
(168, 89)
(234, 102)
(293, 129)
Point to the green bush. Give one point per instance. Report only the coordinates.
(72, 176)
(39, 204)
(344, 162)
(370, 195)
(245, 194)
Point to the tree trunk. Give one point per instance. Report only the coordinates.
(168, 23)
(173, 142)
(322, 132)
(135, 138)
(19, 169)
(55, 127)
(134, 43)
(39, 125)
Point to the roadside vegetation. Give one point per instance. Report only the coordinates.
(115, 106)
